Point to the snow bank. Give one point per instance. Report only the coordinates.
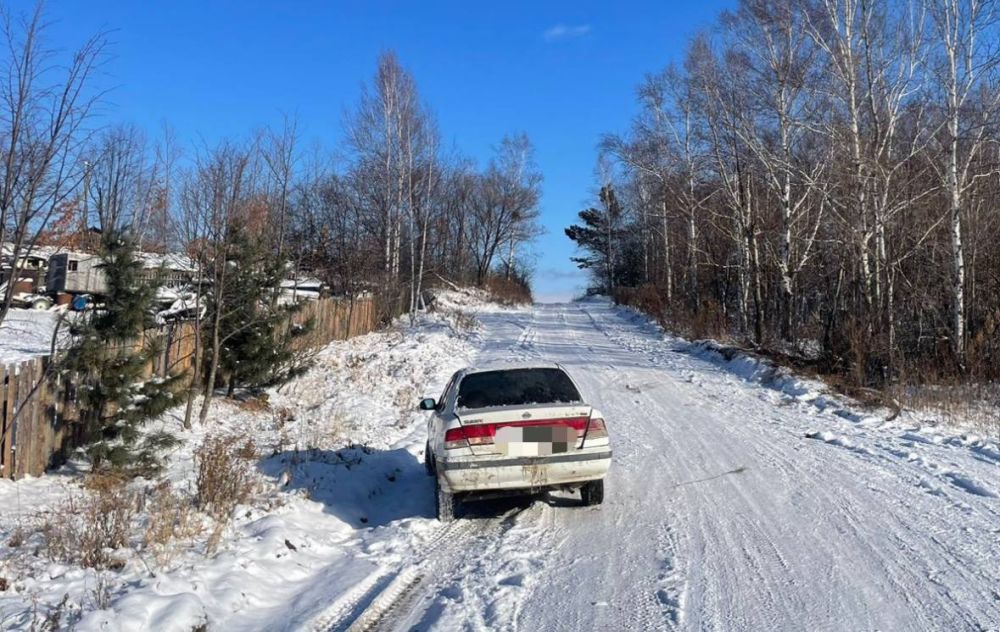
(796, 388)
(339, 479)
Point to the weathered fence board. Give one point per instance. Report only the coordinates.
(7, 427)
(38, 419)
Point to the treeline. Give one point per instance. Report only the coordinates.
(386, 209)
(818, 173)
(386, 212)
(404, 207)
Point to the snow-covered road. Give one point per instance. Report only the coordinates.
(738, 499)
(720, 513)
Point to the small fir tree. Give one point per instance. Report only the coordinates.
(112, 356)
(256, 342)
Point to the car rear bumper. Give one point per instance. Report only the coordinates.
(527, 472)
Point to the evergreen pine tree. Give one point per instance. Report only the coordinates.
(598, 236)
(112, 356)
(256, 342)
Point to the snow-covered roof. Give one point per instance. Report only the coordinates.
(301, 283)
(170, 260)
(7, 250)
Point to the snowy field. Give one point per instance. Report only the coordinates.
(26, 333)
(739, 498)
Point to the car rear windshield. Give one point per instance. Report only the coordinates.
(516, 387)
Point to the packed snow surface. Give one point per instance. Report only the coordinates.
(736, 500)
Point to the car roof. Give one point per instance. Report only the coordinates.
(509, 366)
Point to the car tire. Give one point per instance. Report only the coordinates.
(41, 304)
(592, 493)
(444, 502)
(428, 459)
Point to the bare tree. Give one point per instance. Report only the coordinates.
(965, 69)
(503, 208)
(215, 197)
(778, 63)
(377, 134)
(45, 107)
(521, 182)
(280, 157)
(120, 180)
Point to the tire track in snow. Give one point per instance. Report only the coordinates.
(876, 542)
(626, 597)
(419, 607)
(903, 565)
(353, 606)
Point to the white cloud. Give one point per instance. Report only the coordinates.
(561, 32)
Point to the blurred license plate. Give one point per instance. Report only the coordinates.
(535, 440)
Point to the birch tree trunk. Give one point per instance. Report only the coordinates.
(667, 269)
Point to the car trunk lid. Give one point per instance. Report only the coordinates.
(522, 430)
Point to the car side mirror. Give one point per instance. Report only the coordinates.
(428, 404)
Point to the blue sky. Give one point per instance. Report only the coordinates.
(564, 72)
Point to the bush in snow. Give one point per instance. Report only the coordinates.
(89, 529)
(225, 476)
(172, 518)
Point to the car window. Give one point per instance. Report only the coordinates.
(516, 387)
(444, 394)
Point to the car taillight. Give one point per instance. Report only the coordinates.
(469, 435)
(597, 428)
(483, 434)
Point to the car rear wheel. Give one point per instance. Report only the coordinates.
(592, 493)
(445, 502)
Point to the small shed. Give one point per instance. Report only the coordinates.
(75, 273)
(81, 273)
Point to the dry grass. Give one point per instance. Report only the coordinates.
(357, 366)
(405, 398)
(708, 321)
(326, 434)
(463, 321)
(355, 361)
(856, 367)
(225, 476)
(17, 537)
(61, 530)
(107, 524)
(106, 480)
(256, 404)
(507, 291)
(172, 517)
(89, 529)
(282, 416)
(976, 405)
(51, 618)
(225, 480)
(100, 593)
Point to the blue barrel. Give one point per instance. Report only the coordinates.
(79, 303)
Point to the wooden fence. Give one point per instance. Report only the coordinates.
(38, 417)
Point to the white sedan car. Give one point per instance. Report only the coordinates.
(514, 429)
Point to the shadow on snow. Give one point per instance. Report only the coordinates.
(365, 487)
